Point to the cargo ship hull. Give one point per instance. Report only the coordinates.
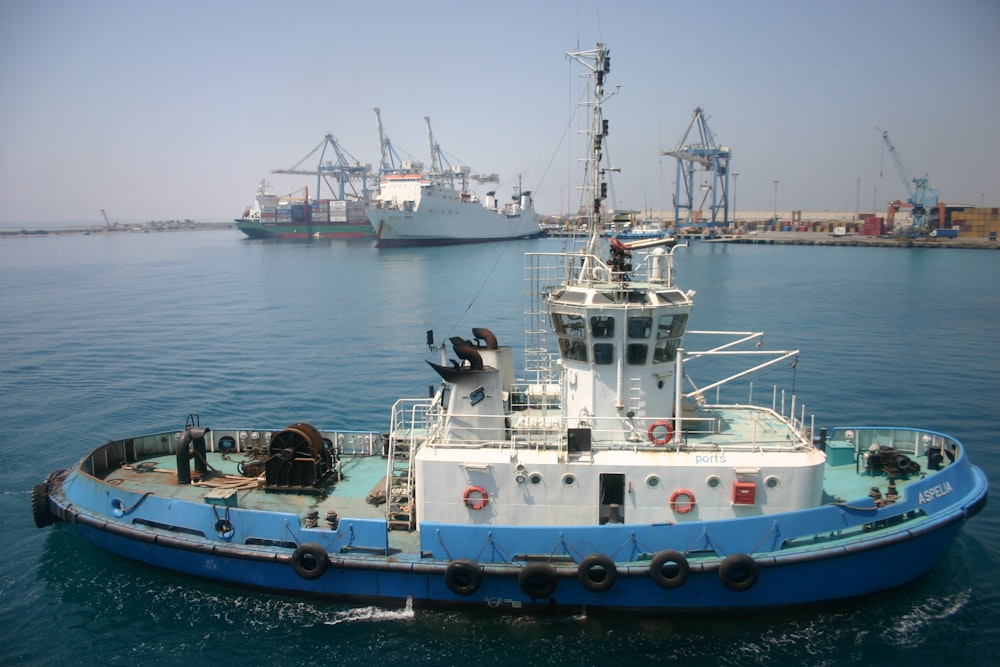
(411, 210)
(273, 217)
(257, 229)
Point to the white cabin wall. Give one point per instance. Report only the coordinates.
(551, 501)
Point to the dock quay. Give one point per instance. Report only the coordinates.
(852, 240)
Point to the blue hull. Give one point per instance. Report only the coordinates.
(852, 552)
(837, 576)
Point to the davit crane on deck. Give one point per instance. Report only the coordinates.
(707, 156)
(922, 199)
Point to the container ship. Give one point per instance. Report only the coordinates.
(274, 217)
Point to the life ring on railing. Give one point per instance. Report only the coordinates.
(669, 568)
(463, 576)
(682, 501)
(310, 560)
(473, 504)
(597, 573)
(738, 572)
(667, 437)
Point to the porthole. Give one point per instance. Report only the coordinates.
(653, 481)
(535, 478)
(713, 481)
(771, 481)
(569, 480)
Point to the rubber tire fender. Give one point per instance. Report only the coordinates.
(537, 580)
(739, 572)
(310, 561)
(40, 506)
(463, 576)
(661, 559)
(597, 563)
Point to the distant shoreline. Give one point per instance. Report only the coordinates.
(143, 228)
(853, 240)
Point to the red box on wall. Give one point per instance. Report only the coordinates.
(744, 493)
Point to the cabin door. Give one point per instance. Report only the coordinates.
(612, 500)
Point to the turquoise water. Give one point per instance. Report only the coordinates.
(110, 335)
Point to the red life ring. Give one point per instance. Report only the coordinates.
(687, 505)
(472, 504)
(666, 438)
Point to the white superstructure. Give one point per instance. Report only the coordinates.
(411, 209)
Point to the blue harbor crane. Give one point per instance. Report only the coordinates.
(922, 200)
(701, 154)
(338, 170)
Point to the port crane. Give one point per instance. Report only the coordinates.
(705, 155)
(337, 169)
(107, 220)
(391, 162)
(922, 199)
(441, 167)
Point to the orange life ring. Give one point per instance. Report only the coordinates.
(666, 438)
(472, 504)
(686, 506)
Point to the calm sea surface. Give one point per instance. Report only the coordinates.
(111, 335)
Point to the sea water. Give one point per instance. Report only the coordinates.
(110, 335)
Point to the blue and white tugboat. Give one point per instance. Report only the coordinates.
(607, 479)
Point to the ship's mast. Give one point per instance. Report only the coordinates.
(598, 62)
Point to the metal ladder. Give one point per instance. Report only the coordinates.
(635, 399)
(400, 512)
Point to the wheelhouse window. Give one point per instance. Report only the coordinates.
(604, 353)
(669, 330)
(636, 353)
(665, 350)
(602, 326)
(573, 350)
(640, 327)
(571, 333)
(671, 326)
(568, 324)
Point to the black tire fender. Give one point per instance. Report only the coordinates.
(310, 561)
(537, 580)
(597, 573)
(669, 568)
(463, 576)
(739, 572)
(40, 506)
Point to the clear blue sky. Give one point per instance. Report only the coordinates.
(172, 110)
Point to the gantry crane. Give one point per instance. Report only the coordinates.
(340, 174)
(441, 168)
(391, 162)
(703, 155)
(922, 200)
